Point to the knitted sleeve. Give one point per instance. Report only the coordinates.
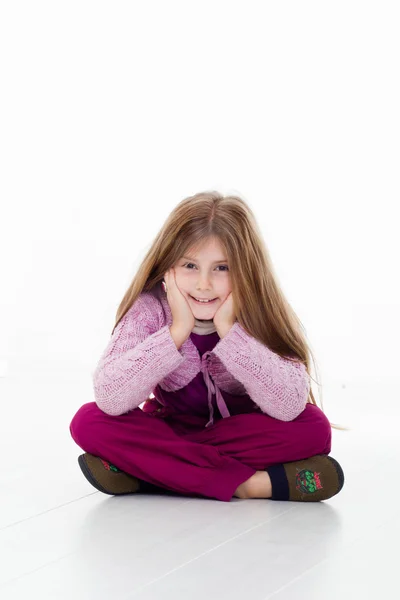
(278, 385)
(136, 359)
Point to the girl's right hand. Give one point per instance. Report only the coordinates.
(182, 316)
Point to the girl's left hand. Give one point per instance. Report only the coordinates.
(225, 316)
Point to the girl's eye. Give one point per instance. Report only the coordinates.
(224, 266)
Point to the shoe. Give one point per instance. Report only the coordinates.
(106, 477)
(310, 480)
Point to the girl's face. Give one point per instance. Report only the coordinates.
(204, 275)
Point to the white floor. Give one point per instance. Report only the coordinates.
(60, 538)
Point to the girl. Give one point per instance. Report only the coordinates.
(205, 328)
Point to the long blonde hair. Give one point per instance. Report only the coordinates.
(259, 303)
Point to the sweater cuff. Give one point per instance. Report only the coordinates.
(233, 340)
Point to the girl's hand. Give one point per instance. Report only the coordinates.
(225, 316)
(182, 316)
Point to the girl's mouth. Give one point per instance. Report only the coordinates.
(203, 303)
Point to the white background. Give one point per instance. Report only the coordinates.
(114, 112)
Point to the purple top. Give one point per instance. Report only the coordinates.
(201, 397)
(207, 375)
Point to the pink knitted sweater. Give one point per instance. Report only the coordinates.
(142, 355)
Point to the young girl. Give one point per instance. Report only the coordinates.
(205, 328)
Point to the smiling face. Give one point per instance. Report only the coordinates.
(204, 275)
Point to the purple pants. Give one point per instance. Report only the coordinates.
(179, 454)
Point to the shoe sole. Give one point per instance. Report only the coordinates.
(323, 494)
(339, 472)
(93, 481)
(89, 477)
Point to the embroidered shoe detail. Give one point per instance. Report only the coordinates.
(107, 465)
(308, 481)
